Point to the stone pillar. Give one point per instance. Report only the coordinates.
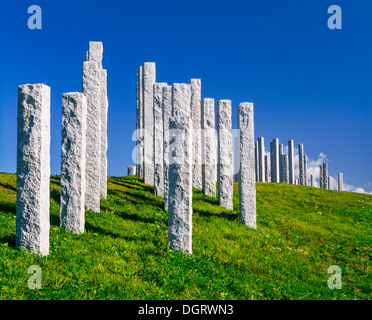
(301, 173)
(236, 150)
(325, 175)
(225, 154)
(247, 186)
(180, 171)
(196, 115)
(208, 148)
(139, 125)
(132, 170)
(33, 168)
(330, 183)
(312, 181)
(73, 162)
(291, 174)
(267, 165)
(104, 140)
(281, 173)
(261, 159)
(305, 169)
(92, 77)
(256, 160)
(296, 181)
(167, 113)
(158, 139)
(148, 81)
(285, 168)
(321, 176)
(274, 158)
(340, 186)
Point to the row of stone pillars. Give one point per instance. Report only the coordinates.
(178, 149)
(83, 155)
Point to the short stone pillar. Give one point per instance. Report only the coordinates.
(274, 158)
(158, 139)
(139, 124)
(301, 175)
(167, 114)
(330, 184)
(33, 168)
(261, 159)
(296, 181)
(148, 81)
(225, 154)
(180, 171)
(197, 175)
(321, 176)
(247, 186)
(312, 181)
(291, 174)
(325, 175)
(267, 166)
(73, 161)
(132, 170)
(209, 148)
(285, 168)
(340, 185)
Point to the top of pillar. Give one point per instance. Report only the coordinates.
(95, 51)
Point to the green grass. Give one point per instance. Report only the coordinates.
(124, 253)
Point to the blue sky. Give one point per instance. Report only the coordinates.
(307, 82)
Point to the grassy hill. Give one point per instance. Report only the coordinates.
(124, 254)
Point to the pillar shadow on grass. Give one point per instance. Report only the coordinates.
(8, 207)
(8, 186)
(10, 240)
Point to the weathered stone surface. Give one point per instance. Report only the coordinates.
(158, 139)
(281, 172)
(256, 159)
(291, 174)
(340, 185)
(312, 181)
(167, 114)
(132, 170)
(285, 168)
(236, 151)
(104, 140)
(139, 124)
(305, 169)
(197, 179)
(180, 171)
(325, 175)
(321, 176)
(33, 168)
(209, 147)
(247, 186)
(73, 162)
(92, 77)
(274, 158)
(149, 78)
(301, 175)
(267, 166)
(261, 159)
(225, 154)
(330, 184)
(95, 52)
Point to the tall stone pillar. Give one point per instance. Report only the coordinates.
(301, 175)
(312, 181)
(167, 114)
(274, 158)
(256, 160)
(148, 81)
(325, 175)
(104, 140)
(180, 171)
(225, 154)
(33, 168)
(321, 176)
(236, 150)
(261, 159)
(73, 162)
(291, 174)
(340, 182)
(247, 186)
(281, 172)
(267, 165)
(208, 148)
(132, 171)
(92, 77)
(139, 125)
(196, 115)
(305, 169)
(285, 168)
(158, 139)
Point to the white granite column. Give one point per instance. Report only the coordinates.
(104, 140)
(132, 170)
(325, 175)
(274, 158)
(301, 175)
(281, 173)
(285, 168)
(312, 180)
(340, 182)
(33, 168)
(167, 114)
(261, 159)
(267, 166)
(291, 174)
(139, 125)
(321, 176)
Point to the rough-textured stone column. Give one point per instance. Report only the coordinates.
(261, 159)
(197, 179)
(139, 124)
(208, 148)
(330, 185)
(321, 176)
(296, 181)
(325, 175)
(340, 182)
(301, 173)
(267, 166)
(92, 89)
(236, 158)
(167, 114)
(256, 160)
(33, 168)
(148, 81)
(225, 154)
(274, 158)
(73, 162)
(312, 181)
(291, 173)
(305, 169)
(132, 170)
(104, 140)
(180, 171)
(285, 168)
(247, 186)
(281, 176)
(158, 139)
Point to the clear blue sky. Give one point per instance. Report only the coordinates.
(307, 82)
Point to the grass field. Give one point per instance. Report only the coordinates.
(124, 254)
